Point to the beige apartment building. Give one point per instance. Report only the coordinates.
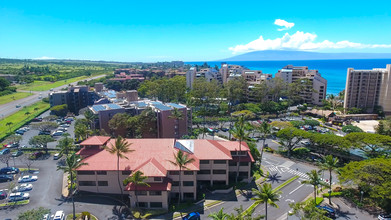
(215, 163)
(366, 89)
(315, 92)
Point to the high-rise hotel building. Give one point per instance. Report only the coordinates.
(366, 89)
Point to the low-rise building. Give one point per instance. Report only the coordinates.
(104, 113)
(215, 163)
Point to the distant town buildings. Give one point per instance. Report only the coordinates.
(315, 91)
(215, 164)
(367, 89)
(76, 97)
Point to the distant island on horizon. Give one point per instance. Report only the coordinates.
(282, 55)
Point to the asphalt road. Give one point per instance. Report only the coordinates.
(10, 108)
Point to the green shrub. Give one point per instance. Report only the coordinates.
(86, 215)
(301, 151)
(333, 194)
(268, 149)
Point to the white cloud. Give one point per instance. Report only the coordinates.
(44, 58)
(282, 23)
(300, 41)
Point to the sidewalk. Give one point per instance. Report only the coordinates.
(65, 191)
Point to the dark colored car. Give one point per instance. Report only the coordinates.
(38, 119)
(9, 170)
(44, 133)
(37, 154)
(225, 129)
(329, 211)
(3, 194)
(192, 216)
(6, 178)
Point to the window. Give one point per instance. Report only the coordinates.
(203, 172)
(103, 183)
(242, 152)
(188, 183)
(232, 163)
(188, 195)
(175, 183)
(233, 153)
(219, 161)
(157, 179)
(142, 204)
(173, 172)
(219, 171)
(243, 163)
(141, 193)
(84, 172)
(101, 173)
(155, 205)
(204, 161)
(87, 183)
(155, 193)
(126, 172)
(188, 172)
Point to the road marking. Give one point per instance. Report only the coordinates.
(289, 200)
(288, 164)
(296, 189)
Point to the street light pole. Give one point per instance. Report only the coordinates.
(362, 193)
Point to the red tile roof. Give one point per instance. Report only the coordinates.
(210, 150)
(234, 145)
(95, 140)
(247, 158)
(164, 186)
(88, 151)
(152, 168)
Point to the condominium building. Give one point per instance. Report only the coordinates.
(315, 91)
(366, 89)
(104, 113)
(190, 76)
(228, 70)
(76, 97)
(215, 163)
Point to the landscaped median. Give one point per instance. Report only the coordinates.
(24, 202)
(12, 97)
(254, 205)
(23, 116)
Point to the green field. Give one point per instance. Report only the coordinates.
(20, 118)
(12, 97)
(46, 85)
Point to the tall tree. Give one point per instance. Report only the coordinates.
(89, 115)
(118, 124)
(181, 160)
(65, 145)
(177, 115)
(374, 145)
(9, 124)
(120, 148)
(265, 129)
(220, 215)
(236, 90)
(239, 132)
(330, 164)
(314, 180)
(265, 194)
(289, 137)
(138, 179)
(72, 163)
(41, 140)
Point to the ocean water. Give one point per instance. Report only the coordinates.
(332, 70)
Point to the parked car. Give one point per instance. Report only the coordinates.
(225, 129)
(192, 216)
(18, 196)
(46, 217)
(62, 129)
(37, 119)
(6, 178)
(329, 211)
(57, 133)
(3, 194)
(23, 187)
(384, 217)
(21, 132)
(9, 170)
(59, 215)
(17, 153)
(5, 151)
(37, 155)
(65, 125)
(56, 156)
(44, 133)
(28, 178)
(18, 106)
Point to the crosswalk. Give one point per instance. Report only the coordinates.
(283, 169)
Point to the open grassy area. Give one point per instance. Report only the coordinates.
(46, 85)
(20, 118)
(12, 97)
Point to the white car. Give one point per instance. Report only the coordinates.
(56, 156)
(57, 133)
(65, 125)
(384, 217)
(13, 197)
(23, 187)
(24, 179)
(59, 215)
(62, 129)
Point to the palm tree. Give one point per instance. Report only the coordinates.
(265, 194)
(89, 115)
(120, 148)
(315, 180)
(65, 145)
(9, 125)
(36, 109)
(27, 113)
(329, 163)
(177, 115)
(137, 179)
(265, 129)
(220, 215)
(72, 163)
(181, 160)
(239, 132)
(242, 214)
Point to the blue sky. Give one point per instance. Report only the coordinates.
(188, 30)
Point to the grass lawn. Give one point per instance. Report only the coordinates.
(45, 85)
(19, 118)
(78, 216)
(24, 202)
(12, 97)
